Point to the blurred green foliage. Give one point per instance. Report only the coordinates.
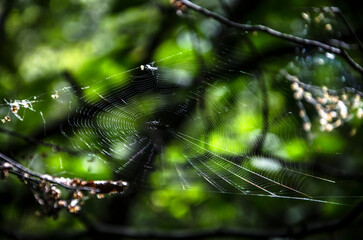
(100, 42)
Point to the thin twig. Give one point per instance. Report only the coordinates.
(313, 88)
(275, 33)
(350, 60)
(337, 11)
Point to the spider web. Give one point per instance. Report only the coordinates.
(190, 120)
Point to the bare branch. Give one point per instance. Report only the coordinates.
(298, 231)
(96, 230)
(352, 63)
(275, 33)
(337, 11)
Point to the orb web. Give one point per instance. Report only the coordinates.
(194, 120)
(180, 122)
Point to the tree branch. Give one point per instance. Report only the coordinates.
(49, 196)
(96, 230)
(351, 62)
(298, 231)
(337, 11)
(275, 33)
